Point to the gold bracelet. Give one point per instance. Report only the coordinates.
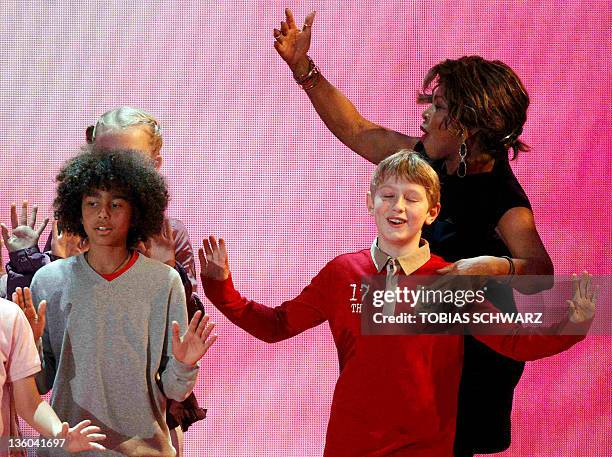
(311, 78)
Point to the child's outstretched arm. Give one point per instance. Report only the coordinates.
(268, 324)
(179, 370)
(39, 414)
(531, 343)
(37, 318)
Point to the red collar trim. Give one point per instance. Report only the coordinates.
(126, 267)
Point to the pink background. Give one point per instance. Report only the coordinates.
(246, 158)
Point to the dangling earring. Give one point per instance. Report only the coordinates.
(462, 168)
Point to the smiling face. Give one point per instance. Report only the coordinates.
(400, 209)
(106, 218)
(439, 141)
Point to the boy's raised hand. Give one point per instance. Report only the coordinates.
(23, 299)
(582, 305)
(214, 263)
(162, 247)
(81, 437)
(192, 346)
(292, 44)
(66, 244)
(24, 234)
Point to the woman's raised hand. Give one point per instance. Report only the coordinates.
(292, 44)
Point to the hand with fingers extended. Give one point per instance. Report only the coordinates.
(66, 244)
(24, 234)
(162, 247)
(292, 44)
(582, 305)
(192, 346)
(214, 263)
(23, 299)
(82, 437)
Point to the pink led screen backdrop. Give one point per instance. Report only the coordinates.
(247, 158)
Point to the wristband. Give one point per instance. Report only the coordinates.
(511, 270)
(311, 78)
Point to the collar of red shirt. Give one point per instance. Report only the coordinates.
(409, 263)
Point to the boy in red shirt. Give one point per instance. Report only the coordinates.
(396, 395)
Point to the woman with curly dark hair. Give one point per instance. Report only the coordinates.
(111, 344)
(486, 227)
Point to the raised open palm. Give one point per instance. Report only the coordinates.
(24, 234)
(582, 305)
(67, 244)
(35, 316)
(192, 346)
(292, 44)
(214, 263)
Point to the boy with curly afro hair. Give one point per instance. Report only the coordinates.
(127, 173)
(111, 345)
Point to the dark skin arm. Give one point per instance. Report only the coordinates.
(518, 232)
(371, 141)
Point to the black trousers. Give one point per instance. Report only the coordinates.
(486, 391)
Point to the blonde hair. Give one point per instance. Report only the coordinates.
(408, 165)
(125, 117)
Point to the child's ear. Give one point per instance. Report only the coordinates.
(370, 202)
(433, 213)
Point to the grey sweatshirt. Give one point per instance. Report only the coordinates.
(107, 351)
